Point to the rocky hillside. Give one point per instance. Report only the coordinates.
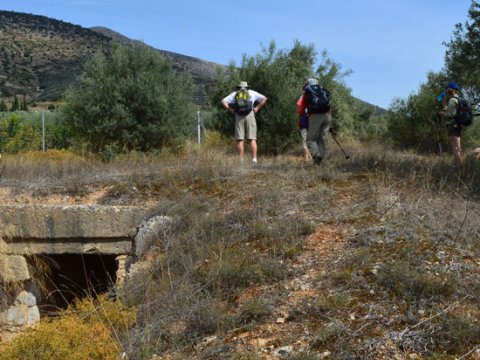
(41, 56)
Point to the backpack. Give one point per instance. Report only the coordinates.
(318, 99)
(243, 102)
(464, 112)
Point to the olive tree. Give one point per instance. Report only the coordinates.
(279, 75)
(130, 99)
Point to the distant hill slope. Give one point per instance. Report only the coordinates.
(40, 56)
(203, 72)
(200, 69)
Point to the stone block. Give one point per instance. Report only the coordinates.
(22, 315)
(13, 268)
(150, 233)
(25, 298)
(69, 221)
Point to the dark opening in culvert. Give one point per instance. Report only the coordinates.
(58, 280)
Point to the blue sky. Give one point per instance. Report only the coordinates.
(389, 45)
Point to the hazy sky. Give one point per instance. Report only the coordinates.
(389, 45)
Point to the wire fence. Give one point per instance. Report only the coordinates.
(22, 131)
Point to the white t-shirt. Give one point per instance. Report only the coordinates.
(255, 96)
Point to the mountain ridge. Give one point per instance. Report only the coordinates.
(41, 56)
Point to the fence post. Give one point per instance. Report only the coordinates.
(199, 129)
(43, 130)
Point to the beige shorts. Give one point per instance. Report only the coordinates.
(246, 127)
(303, 133)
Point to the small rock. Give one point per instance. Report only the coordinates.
(25, 298)
(325, 354)
(305, 287)
(209, 339)
(283, 351)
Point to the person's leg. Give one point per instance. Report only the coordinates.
(312, 136)
(240, 148)
(251, 134)
(323, 133)
(306, 152)
(240, 135)
(456, 149)
(253, 145)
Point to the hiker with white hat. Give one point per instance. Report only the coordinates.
(245, 103)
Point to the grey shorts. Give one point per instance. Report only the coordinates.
(245, 127)
(454, 130)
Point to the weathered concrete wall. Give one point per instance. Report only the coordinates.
(13, 269)
(53, 230)
(73, 229)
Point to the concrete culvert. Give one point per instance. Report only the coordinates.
(60, 279)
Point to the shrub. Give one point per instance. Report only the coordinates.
(130, 99)
(86, 331)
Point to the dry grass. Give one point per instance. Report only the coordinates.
(87, 330)
(371, 258)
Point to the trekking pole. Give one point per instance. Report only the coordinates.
(436, 121)
(334, 138)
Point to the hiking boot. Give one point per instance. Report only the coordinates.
(317, 160)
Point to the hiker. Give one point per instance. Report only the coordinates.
(315, 101)
(245, 103)
(448, 113)
(303, 127)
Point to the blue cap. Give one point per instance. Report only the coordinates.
(453, 85)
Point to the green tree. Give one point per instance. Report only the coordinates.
(17, 134)
(130, 99)
(412, 122)
(3, 106)
(15, 105)
(23, 105)
(279, 75)
(462, 57)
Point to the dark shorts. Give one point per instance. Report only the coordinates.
(454, 130)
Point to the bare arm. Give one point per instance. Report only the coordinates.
(260, 104)
(228, 107)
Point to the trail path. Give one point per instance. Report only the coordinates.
(282, 335)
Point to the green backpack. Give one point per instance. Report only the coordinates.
(243, 102)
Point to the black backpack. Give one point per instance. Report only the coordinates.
(464, 112)
(318, 99)
(243, 102)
